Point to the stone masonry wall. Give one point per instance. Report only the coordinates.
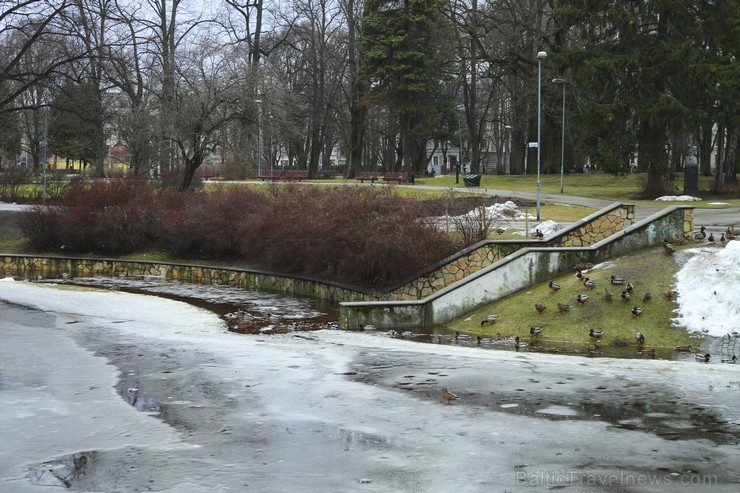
(586, 232)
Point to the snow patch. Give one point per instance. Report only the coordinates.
(707, 290)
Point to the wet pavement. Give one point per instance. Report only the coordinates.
(112, 391)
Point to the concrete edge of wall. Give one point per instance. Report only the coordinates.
(537, 263)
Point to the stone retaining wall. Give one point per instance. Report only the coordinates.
(53, 267)
(519, 270)
(588, 231)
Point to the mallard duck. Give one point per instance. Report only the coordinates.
(584, 266)
(490, 319)
(682, 349)
(579, 275)
(563, 307)
(670, 294)
(730, 233)
(711, 238)
(582, 299)
(616, 280)
(647, 297)
(701, 234)
(595, 334)
(608, 296)
(538, 234)
(636, 311)
(589, 283)
(625, 296)
(518, 344)
(461, 337)
(640, 338)
(593, 349)
(553, 286)
(448, 396)
(704, 358)
(500, 231)
(630, 287)
(730, 361)
(668, 248)
(483, 340)
(540, 307)
(535, 331)
(722, 239)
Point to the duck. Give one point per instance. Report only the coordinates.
(625, 296)
(630, 287)
(582, 299)
(518, 344)
(540, 307)
(538, 234)
(670, 294)
(483, 340)
(711, 238)
(730, 361)
(593, 349)
(722, 239)
(640, 338)
(589, 283)
(616, 280)
(499, 230)
(647, 297)
(367, 327)
(730, 233)
(490, 319)
(636, 311)
(701, 234)
(553, 286)
(535, 331)
(461, 337)
(595, 334)
(579, 275)
(448, 396)
(703, 358)
(608, 296)
(668, 247)
(682, 349)
(646, 352)
(563, 307)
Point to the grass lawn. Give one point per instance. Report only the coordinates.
(651, 271)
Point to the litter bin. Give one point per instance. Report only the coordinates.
(471, 180)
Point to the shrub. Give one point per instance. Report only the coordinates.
(41, 226)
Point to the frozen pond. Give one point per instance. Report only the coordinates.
(104, 390)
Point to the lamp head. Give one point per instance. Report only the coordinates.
(559, 80)
(541, 55)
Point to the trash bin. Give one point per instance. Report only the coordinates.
(471, 180)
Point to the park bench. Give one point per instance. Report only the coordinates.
(369, 175)
(397, 176)
(269, 174)
(295, 174)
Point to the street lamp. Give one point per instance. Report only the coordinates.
(259, 137)
(507, 169)
(540, 57)
(562, 82)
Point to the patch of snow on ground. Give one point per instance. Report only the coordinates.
(707, 290)
(546, 228)
(677, 198)
(508, 211)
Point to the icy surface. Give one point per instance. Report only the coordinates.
(108, 391)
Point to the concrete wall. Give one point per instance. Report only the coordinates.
(519, 270)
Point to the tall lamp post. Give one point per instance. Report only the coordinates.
(259, 137)
(562, 82)
(540, 57)
(508, 149)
